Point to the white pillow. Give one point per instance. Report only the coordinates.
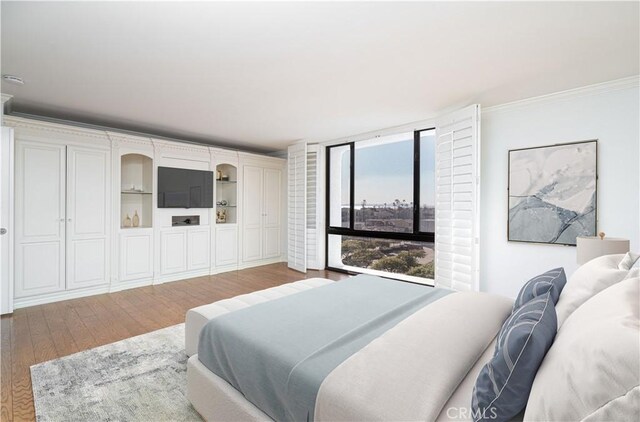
(592, 371)
(629, 261)
(588, 280)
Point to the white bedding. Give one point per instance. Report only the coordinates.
(404, 374)
(410, 372)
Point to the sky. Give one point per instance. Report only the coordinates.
(384, 172)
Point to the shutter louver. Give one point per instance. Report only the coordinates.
(297, 207)
(457, 200)
(312, 209)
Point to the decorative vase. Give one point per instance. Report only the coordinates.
(136, 219)
(127, 221)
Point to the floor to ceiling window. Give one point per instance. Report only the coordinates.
(380, 205)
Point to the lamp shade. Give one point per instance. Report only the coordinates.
(593, 247)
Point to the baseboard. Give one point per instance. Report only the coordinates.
(245, 265)
(24, 302)
(223, 269)
(117, 286)
(181, 276)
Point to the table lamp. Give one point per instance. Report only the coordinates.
(590, 247)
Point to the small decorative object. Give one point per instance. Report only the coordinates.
(221, 216)
(127, 221)
(225, 177)
(218, 175)
(224, 202)
(136, 219)
(592, 247)
(553, 193)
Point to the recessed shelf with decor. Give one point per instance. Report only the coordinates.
(226, 194)
(136, 191)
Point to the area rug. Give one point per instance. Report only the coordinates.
(142, 378)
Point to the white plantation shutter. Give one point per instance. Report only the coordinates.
(457, 199)
(297, 207)
(314, 233)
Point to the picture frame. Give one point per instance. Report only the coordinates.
(552, 193)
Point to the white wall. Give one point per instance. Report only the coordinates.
(607, 112)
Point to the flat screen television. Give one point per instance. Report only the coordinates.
(183, 188)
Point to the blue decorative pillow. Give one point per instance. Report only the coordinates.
(552, 281)
(504, 383)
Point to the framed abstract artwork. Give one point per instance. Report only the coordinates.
(553, 193)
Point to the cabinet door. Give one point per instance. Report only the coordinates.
(272, 209)
(226, 245)
(197, 249)
(87, 217)
(252, 188)
(136, 255)
(173, 251)
(39, 218)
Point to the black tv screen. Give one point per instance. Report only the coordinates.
(183, 188)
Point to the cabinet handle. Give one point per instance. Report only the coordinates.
(62, 220)
(69, 220)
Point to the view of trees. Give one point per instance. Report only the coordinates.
(396, 216)
(403, 257)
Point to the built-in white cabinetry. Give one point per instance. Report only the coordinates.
(41, 219)
(173, 251)
(136, 254)
(133, 185)
(184, 249)
(62, 218)
(87, 217)
(262, 208)
(197, 248)
(226, 245)
(87, 220)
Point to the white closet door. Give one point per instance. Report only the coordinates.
(39, 218)
(7, 158)
(457, 199)
(252, 193)
(296, 207)
(272, 210)
(87, 217)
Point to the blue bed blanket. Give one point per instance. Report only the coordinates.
(278, 353)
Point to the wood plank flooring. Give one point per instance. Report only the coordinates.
(40, 333)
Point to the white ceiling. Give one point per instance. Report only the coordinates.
(262, 75)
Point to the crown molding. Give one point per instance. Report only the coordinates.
(25, 123)
(179, 146)
(589, 90)
(120, 138)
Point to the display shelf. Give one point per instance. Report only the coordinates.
(136, 191)
(226, 190)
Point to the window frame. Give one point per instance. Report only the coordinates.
(415, 235)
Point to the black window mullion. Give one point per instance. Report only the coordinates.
(352, 185)
(416, 182)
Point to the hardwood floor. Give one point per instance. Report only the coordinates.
(40, 333)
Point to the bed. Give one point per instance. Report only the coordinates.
(419, 357)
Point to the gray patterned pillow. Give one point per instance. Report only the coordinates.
(503, 385)
(552, 281)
